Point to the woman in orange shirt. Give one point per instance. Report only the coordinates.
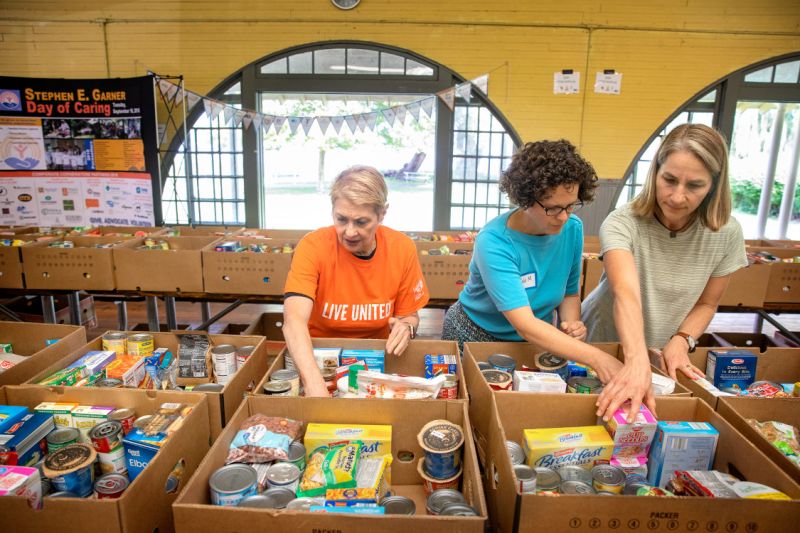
(356, 278)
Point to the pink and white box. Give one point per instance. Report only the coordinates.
(632, 440)
(21, 481)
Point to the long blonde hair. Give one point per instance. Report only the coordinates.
(709, 146)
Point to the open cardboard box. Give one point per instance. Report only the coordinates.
(784, 278)
(775, 364)
(270, 325)
(122, 231)
(179, 269)
(11, 260)
(442, 237)
(80, 268)
(568, 513)
(30, 309)
(221, 405)
(759, 341)
(195, 514)
(29, 340)
(145, 506)
(786, 410)
(245, 272)
(480, 394)
(201, 231)
(445, 275)
(411, 363)
(282, 235)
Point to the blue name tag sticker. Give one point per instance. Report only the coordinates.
(528, 280)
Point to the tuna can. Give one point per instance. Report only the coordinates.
(279, 497)
(438, 499)
(232, 483)
(292, 376)
(483, 365)
(243, 353)
(223, 357)
(548, 362)
(71, 469)
(575, 473)
(503, 362)
(60, 438)
(431, 484)
(526, 479)
(634, 483)
(116, 341)
(547, 480)
(297, 455)
(108, 383)
(110, 486)
(126, 417)
(304, 504)
(441, 440)
(283, 475)
(584, 385)
(398, 505)
(113, 462)
(277, 388)
(256, 502)
(141, 344)
(608, 478)
(106, 436)
(458, 509)
(449, 390)
(209, 387)
(515, 452)
(575, 487)
(498, 379)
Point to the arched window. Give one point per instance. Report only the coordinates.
(758, 110)
(442, 166)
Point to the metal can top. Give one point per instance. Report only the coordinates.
(141, 337)
(574, 472)
(121, 414)
(441, 436)
(115, 335)
(496, 376)
(283, 473)
(515, 452)
(458, 509)
(111, 484)
(209, 387)
(398, 505)
(279, 496)
(525, 473)
(68, 459)
(259, 501)
(549, 361)
(233, 478)
(142, 421)
(277, 387)
(110, 428)
(575, 487)
(441, 497)
(109, 383)
(450, 380)
(608, 475)
(296, 451)
(483, 365)
(605, 493)
(245, 350)
(63, 494)
(502, 361)
(223, 349)
(60, 436)
(547, 478)
(284, 375)
(304, 504)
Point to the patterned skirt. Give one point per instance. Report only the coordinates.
(459, 327)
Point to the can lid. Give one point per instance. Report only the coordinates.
(258, 501)
(296, 451)
(458, 509)
(121, 414)
(111, 484)
(284, 374)
(68, 459)
(108, 383)
(441, 436)
(283, 473)
(441, 497)
(547, 478)
(279, 496)
(276, 387)
(398, 505)
(233, 478)
(115, 335)
(304, 504)
(245, 350)
(105, 429)
(550, 360)
(575, 487)
(62, 494)
(60, 436)
(141, 337)
(223, 349)
(524, 472)
(501, 359)
(496, 376)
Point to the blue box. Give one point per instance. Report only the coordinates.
(27, 440)
(731, 369)
(140, 450)
(680, 446)
(374, 359)
(10, 415)
(440, 364)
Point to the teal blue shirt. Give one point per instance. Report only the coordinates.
(510, 269)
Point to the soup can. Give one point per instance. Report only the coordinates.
(575, 473)
(608, 478)
(223, 358)
(292, 376)
(304, 504)
(526, 479)
(110, 486)
(277, 388)
(500, 361)
(232, 483)
(141, 344)
(398, 505)
(547, 480)
(108, 383)
(584, 385)
(113, 462)
(575, 487)
(243, 353)
(116, 341)
(283, 475)
(498, 379)
(124, 416)
(71, 469)
(515, 453)
(438, 499)
(431, 484)
(458, 509)
(60, 438)
(106, 436)
(449, 390)
(441, 440)
(297, 455)
(483, 365)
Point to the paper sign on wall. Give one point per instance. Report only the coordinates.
(566, 82)
(608, 82)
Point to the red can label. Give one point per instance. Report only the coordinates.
(449, 391)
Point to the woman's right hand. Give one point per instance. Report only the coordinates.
(316, 388)
(633, 382)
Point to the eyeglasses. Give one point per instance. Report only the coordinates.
(556, 210)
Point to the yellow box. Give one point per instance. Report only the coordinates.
(556, 447)
(377, 440)
(61, 411)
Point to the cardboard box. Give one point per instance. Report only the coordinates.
(784, 278)
(445, 275)
(411, 363)
(480, 408)
(179, 269)
(201, 231)
(786, 410)
(195, 514)
(592, 271)
(783, 340)
(442, 237)
(145, 505)
(80, 268)
(29, 340)
(535, 512)
(269, 325)
(775, 364)
(747, 340)
(281, 236)
(245, 272)
(747, 286)
(11, 260)
(30, 310)
(221, 405)
(118, 231)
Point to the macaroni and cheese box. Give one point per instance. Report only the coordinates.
(681, 446)
(556, 447)
(731, 369)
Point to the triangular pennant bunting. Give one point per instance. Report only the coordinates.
(258, 121)
(294, 123)
(337, 123)
(400, 111)
(209, 107)
(172, 90)
(323, 123)
(361, 121)
(163, 86)
(238, 117)
(247, 120)
(414, 108)
(179, 96)
(307, 122)
(228, 113)
(448, 96)
(482, 84)
(372, 119)
(352, 123)
(277, 123)
(389, 114)
(192, 99)
(464, 91)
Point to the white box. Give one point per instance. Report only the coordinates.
(538, 382)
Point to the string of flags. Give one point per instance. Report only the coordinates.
(173, 94)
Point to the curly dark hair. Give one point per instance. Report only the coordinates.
(539, 167)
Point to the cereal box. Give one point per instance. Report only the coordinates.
(538, 382)
(631, 440)
(557, 447)
(631, 465)
(681, 446)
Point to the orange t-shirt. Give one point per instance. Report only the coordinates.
(356, 297)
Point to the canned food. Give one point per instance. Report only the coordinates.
(431, 484)
(141, 344)
(329, 376)
(526, 479)
(584, 385)
(547, 480)
(304, 504)
(59, 438)
(458, 509)
(113, 462)
(608, 478)
(116, 341)
(142, 422)
(292, 376)
(634, 483)
(449, 390)
(575, 487)
(279, 497)
(398, 505)
(483, 365)
(209, 387)
(498, 379)
(297, 455)
(256, 502)
(110, 486)
(575, 473)
(231, 484)
(108, 383)
(503, 362)
(438, 499)
(124, 416)
(62, 494)
(441, 440)
(71, 469)
(283, 475)
(764, 389)
(277, 388)
(515, 452)
(243, 353)
(223, 357)
(106, 436)
(548, 362)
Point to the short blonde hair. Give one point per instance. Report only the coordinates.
(709, 146)
(362, 185)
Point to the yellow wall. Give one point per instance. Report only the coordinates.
(666, 50)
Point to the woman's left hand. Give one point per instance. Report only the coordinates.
(399, 336)
(676, 357)
(575, 328)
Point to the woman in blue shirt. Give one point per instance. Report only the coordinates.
(525, 270)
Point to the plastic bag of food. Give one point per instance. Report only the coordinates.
(262, 438)
(337, 469)
(377, 385)
(784, 437)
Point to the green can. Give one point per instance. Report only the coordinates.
(297, 455)
(61, 438)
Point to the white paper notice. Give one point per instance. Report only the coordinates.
(566, 83)
(608, 83)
